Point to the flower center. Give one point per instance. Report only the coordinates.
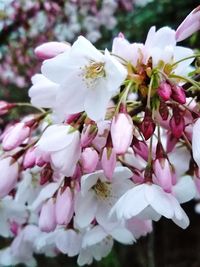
(95, 70)
(102, 189)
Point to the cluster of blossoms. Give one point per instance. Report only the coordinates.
(114, 146)
(26, 24)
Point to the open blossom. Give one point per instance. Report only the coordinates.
(159, 45)
(114, 146)
(97, 76)
(62, 144)
(150, 201)
(98, 194)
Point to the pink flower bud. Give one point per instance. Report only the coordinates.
(51, 49)
(89, 160)
(47, 219)
(140, 148)
(171, 142)
(163, 111)
(164, 91)
(121, 132)
(5, 107)
(29, 158)
(177, 125)
(108, 161)
(163, 174)
(64, 206)
(178, 94)
(190, 25)
(9, 174)
(88, 134)
(147, 126)
(15, 136)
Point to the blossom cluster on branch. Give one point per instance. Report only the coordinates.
(113, 146)
(26, 24)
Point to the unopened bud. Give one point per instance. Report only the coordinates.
(121, 132)
(15, 136)
(5, 107)
(164, 91)
(177, 124)
(88, 134)
(147, 126)
(89, 160)
(51, 49)
(47, 219)
(108, 161)
(178, 94)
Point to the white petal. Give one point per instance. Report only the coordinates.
(85, 209)
(96, 102)
(84, 257)
(123, 235)
(43, 92)
(65, 160)
(131, 203)
(55, 68)
(71, 96)
(196, 142)
(68, 242)
(115, 73)
(93, 236)
(180, 53)
(47, 192)
(180, 158)
(185, 189)
(121, 173)
(55, 137)
(83, 49)
(159, 201)
(88, 181)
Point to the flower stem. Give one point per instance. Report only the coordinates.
(30, 105)
(186, 58)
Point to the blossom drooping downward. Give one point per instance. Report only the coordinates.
(112, 146)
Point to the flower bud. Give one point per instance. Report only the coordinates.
(47, 219)
(171, 142)
(140, 148)
(108, 161)
(147, 126)
(89, 160)
(5, 107)
(88, 134)
(9, 169)
(121, 132)
(51, 49)
(178, 94)
(29, 158)
(15, 136)
(163, 110)
(163, 174)
(164, 91)
(177, 124)
(64, 206)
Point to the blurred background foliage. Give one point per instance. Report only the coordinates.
(22, 32)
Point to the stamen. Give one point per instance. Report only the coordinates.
(102, 189)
